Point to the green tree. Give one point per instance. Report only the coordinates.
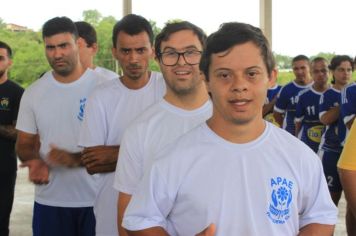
(2, 24)
(92, 16)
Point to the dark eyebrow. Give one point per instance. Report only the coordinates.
(185, 48)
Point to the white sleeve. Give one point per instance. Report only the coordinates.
(129, 167)
(26, 119)
(93, 130)
(150, 204)
(316, 205)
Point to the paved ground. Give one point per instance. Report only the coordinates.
(20, 224)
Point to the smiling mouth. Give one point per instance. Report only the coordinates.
(182, 72)
(239, 102)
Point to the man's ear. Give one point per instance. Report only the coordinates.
(113, 52)
(95, 48)
(272, 79)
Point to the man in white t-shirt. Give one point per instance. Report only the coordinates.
(185, 105)
(52, 108)
(88, 48)
(236, 174)
(112, 106)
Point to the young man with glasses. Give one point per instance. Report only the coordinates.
(186, 104)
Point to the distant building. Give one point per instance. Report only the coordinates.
(16, 28)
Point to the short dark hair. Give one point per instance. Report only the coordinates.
(318, 59)
(7, 47)
(59, 25)
(300, 58)
(337, 60)
(235, 33)
(87, 32)
(132, 24)
(172, 28)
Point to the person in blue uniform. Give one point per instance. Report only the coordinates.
(307, 124)
(271, 99)
(284, 109)
(329, 113)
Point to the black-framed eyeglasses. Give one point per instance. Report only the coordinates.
(171, 58)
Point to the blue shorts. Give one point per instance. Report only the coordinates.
(329, 160)
(60, 221)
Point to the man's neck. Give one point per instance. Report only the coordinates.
(136, 83)
(303, 82)
(237, 133)
(191, 101)
(320, 88)
(75, 75)
(3, 78)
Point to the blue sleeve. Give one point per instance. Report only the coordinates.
(348, 102)
(282, 100)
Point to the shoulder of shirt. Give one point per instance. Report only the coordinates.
(42, 81)
(15, 85)
(304, 91)
(143, 120)
(350, 86)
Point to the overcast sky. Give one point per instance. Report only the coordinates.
(299, 26)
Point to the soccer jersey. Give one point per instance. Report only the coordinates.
(348, 156)
(307, 112)
(203, 179)
(158, 126)
(330, 140)
(110, 109)
(271, 94)
(55, 111)
(286, 104)
(348, 106)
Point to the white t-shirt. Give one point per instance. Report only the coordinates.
(106, 73)
(273, 185)
(55, 111)
(158, 126)
(110, 109)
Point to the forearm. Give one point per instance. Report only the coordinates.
(330, 116)
(100, 159)
(155, 231)
(267, 108)
(298, 127)
(8, 132)
(101, 168)
(348, 180)
(278, 117)
(122, 203)
(27, 152)
(317, 230)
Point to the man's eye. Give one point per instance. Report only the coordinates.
(140, 50)
(223, 75)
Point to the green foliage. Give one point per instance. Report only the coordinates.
(155, 29)
(93, 17)
(2, 24)
(283, 62)
(104, 57)
(30, 61)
